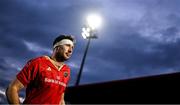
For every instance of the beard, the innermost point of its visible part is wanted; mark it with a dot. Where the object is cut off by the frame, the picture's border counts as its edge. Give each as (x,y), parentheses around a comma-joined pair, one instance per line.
(60,58)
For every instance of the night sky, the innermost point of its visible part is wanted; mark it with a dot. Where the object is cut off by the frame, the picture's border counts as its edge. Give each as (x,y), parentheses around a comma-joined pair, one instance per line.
(137,38)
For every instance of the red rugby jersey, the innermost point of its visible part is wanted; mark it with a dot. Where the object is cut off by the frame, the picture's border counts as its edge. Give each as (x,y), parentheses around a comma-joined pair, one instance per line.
(44,83)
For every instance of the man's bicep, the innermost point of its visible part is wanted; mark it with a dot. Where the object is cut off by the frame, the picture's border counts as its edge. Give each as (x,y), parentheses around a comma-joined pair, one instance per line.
(17,84)
(12,91)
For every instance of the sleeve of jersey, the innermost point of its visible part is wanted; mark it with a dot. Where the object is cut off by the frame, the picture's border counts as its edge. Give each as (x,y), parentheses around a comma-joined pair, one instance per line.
(28,73)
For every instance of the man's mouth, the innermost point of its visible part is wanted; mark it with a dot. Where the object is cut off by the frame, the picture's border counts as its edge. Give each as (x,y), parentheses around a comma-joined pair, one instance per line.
(68,55)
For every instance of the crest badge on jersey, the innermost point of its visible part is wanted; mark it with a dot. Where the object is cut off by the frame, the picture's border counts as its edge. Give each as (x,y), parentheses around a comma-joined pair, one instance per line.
(66,74)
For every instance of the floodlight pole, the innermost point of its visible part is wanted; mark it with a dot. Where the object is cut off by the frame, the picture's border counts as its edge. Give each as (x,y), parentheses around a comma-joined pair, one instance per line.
(82,63)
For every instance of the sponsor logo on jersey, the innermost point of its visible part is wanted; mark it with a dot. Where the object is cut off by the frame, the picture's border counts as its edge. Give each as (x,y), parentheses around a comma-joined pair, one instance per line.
(54,81)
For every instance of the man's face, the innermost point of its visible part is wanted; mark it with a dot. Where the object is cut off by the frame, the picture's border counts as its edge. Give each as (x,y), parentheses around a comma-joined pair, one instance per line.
(64,52)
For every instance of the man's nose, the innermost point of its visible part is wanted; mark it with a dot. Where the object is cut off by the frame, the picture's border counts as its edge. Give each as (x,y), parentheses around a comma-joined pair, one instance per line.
(70,50)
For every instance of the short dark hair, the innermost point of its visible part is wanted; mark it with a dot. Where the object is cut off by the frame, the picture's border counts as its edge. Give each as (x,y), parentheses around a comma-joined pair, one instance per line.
(63,36)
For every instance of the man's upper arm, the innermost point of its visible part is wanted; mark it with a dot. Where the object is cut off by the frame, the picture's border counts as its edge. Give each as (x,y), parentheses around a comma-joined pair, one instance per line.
(12,91)
(16,84)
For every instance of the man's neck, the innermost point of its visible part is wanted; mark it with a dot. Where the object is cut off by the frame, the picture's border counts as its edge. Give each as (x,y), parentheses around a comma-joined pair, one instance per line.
(57,64)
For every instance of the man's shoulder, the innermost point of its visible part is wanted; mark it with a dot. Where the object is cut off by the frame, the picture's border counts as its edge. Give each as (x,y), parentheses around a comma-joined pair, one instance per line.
(67,67)
(37,59)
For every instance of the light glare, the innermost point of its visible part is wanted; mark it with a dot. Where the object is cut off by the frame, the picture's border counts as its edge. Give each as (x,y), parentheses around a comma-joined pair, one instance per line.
(94,21)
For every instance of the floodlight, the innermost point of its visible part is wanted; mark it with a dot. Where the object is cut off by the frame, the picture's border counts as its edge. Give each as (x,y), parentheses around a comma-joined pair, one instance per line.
(89,31)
